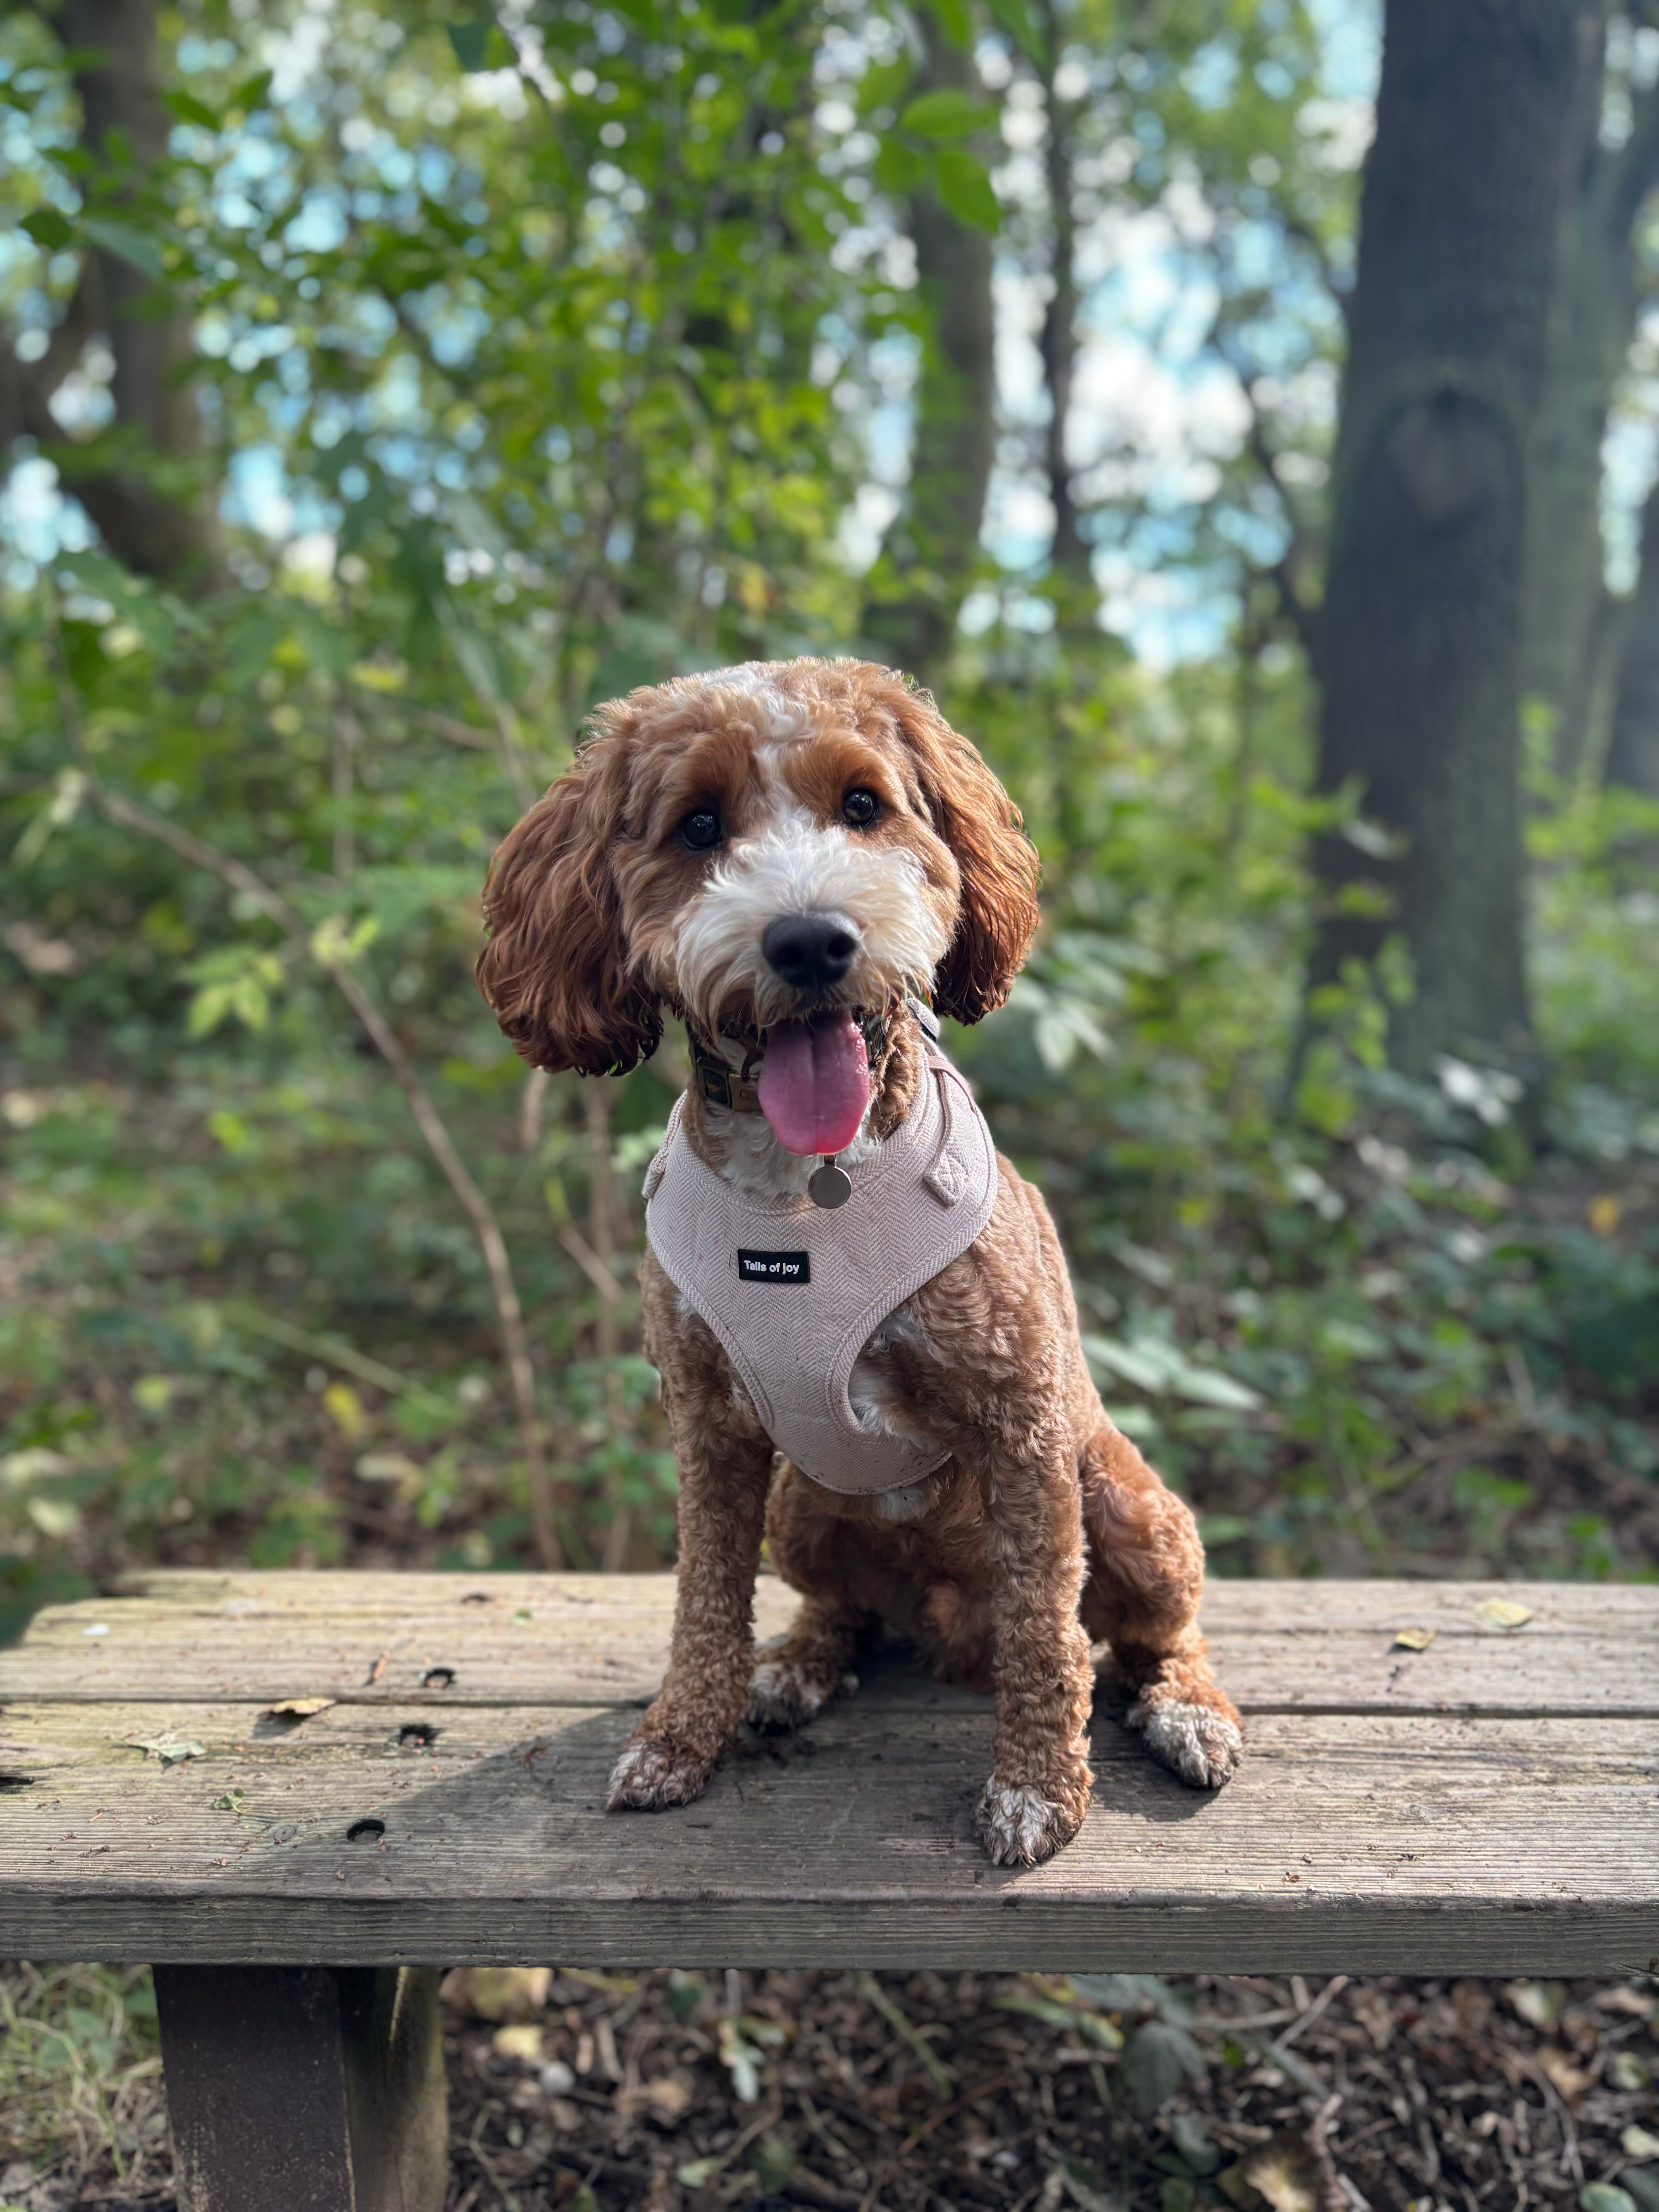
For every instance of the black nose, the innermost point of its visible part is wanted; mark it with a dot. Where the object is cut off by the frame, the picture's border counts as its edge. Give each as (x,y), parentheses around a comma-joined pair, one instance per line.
(810,951)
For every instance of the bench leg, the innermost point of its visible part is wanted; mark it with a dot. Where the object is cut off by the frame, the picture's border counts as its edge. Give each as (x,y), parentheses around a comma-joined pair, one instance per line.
(305,2088)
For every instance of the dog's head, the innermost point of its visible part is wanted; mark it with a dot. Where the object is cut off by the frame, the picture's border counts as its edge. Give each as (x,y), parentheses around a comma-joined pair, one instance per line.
(772,850)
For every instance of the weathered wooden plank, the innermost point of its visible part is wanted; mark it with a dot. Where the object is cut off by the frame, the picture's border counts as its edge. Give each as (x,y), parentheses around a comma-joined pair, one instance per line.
(603,1639)
(1364,1843)
(1279,1605)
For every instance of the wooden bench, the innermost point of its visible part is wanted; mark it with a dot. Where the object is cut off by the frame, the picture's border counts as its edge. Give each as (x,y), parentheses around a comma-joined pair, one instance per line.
(1486,1804)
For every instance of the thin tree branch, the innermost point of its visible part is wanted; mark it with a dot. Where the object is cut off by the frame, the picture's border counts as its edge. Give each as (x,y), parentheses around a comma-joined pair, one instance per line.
(1303,619)
(515,1343)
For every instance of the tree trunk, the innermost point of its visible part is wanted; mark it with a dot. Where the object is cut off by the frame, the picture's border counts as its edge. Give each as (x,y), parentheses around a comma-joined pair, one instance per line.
(1633,750)
(934,544)
(1593,321)
(124,135)
(1460,215)
(1058,340)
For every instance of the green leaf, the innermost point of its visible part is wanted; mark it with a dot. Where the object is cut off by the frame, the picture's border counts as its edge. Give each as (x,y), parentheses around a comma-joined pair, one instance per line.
(235,981)
(1605,2196)
(1192,2139)
(882,83)
(1159,2058)
(947,115)
(252,93)
(50,228)
(774,2159)
(955,20)
(1134,1993)
(896,168)
(1016,18)
(134,246)
(336,946)
(482,45)
(964,186)
(188,109)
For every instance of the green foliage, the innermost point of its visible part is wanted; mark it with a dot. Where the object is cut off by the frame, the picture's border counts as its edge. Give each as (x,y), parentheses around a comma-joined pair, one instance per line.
(81,2070)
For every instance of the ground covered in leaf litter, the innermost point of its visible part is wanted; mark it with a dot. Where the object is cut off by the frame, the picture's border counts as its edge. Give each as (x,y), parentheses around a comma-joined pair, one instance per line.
(575,2092)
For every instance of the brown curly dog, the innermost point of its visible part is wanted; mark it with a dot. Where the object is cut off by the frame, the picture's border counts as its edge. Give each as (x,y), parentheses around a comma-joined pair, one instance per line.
(790,856)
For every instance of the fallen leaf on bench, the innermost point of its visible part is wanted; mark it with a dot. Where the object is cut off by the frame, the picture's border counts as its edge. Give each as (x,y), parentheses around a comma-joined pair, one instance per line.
(230,1802)
(169,1749)
(1503,1612)
(496,1992)
(299,1709)
(1414,1639)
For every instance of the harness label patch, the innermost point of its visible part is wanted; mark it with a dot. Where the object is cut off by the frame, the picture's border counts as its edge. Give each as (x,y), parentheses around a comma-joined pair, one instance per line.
(773,1267)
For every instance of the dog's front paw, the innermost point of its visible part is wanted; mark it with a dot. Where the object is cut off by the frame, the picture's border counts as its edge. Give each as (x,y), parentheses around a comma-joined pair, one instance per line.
(1019,1826)
(783,1694)
(654,1771)
(1199,1744)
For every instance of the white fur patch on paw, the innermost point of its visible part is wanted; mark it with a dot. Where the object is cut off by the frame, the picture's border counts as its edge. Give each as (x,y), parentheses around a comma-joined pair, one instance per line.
(1195,1741)
(646,1777)
(1017,1824)
(781,1696)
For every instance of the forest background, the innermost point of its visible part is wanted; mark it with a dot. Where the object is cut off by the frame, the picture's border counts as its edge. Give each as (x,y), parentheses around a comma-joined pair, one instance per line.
(380,387)
(1242,413)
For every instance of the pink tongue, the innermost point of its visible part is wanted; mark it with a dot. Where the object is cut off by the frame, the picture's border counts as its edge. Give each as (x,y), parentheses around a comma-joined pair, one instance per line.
(815,1083)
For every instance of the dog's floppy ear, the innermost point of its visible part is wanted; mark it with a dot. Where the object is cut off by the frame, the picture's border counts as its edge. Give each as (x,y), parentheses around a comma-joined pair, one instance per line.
(974,815)
(555,970)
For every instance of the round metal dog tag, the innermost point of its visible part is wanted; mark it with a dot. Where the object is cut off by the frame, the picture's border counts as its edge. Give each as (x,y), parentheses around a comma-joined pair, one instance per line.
(830,1186)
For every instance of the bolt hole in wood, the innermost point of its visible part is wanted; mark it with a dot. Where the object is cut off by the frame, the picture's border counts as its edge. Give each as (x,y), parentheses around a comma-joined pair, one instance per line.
(438,1678)
(417,1735)
(366,1831)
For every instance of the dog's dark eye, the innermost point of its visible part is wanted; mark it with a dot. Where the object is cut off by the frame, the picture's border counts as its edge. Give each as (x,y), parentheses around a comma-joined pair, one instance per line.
(701,830)
(861,808)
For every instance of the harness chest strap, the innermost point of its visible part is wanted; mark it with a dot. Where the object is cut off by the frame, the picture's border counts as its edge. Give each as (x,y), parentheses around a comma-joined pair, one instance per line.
(793,1293)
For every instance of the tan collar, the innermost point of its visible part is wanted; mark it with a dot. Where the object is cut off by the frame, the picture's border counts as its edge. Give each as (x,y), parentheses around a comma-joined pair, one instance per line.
(724,1086)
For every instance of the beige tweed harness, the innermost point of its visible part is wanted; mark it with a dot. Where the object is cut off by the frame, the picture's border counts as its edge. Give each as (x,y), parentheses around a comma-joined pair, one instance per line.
(793,1292)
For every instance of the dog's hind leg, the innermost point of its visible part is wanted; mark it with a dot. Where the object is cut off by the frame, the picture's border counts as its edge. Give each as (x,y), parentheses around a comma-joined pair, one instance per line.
(818,1553)
(819,1659)
(1144,1583)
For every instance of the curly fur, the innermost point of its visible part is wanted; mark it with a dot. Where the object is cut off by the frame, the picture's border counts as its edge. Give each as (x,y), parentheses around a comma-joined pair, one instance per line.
(1045,1527)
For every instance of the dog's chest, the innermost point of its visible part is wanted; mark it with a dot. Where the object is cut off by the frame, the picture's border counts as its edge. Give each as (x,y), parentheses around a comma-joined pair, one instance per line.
(808,1303)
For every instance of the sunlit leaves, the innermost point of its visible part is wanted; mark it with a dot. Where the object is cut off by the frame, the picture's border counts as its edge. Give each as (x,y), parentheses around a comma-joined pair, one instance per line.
(236,983)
